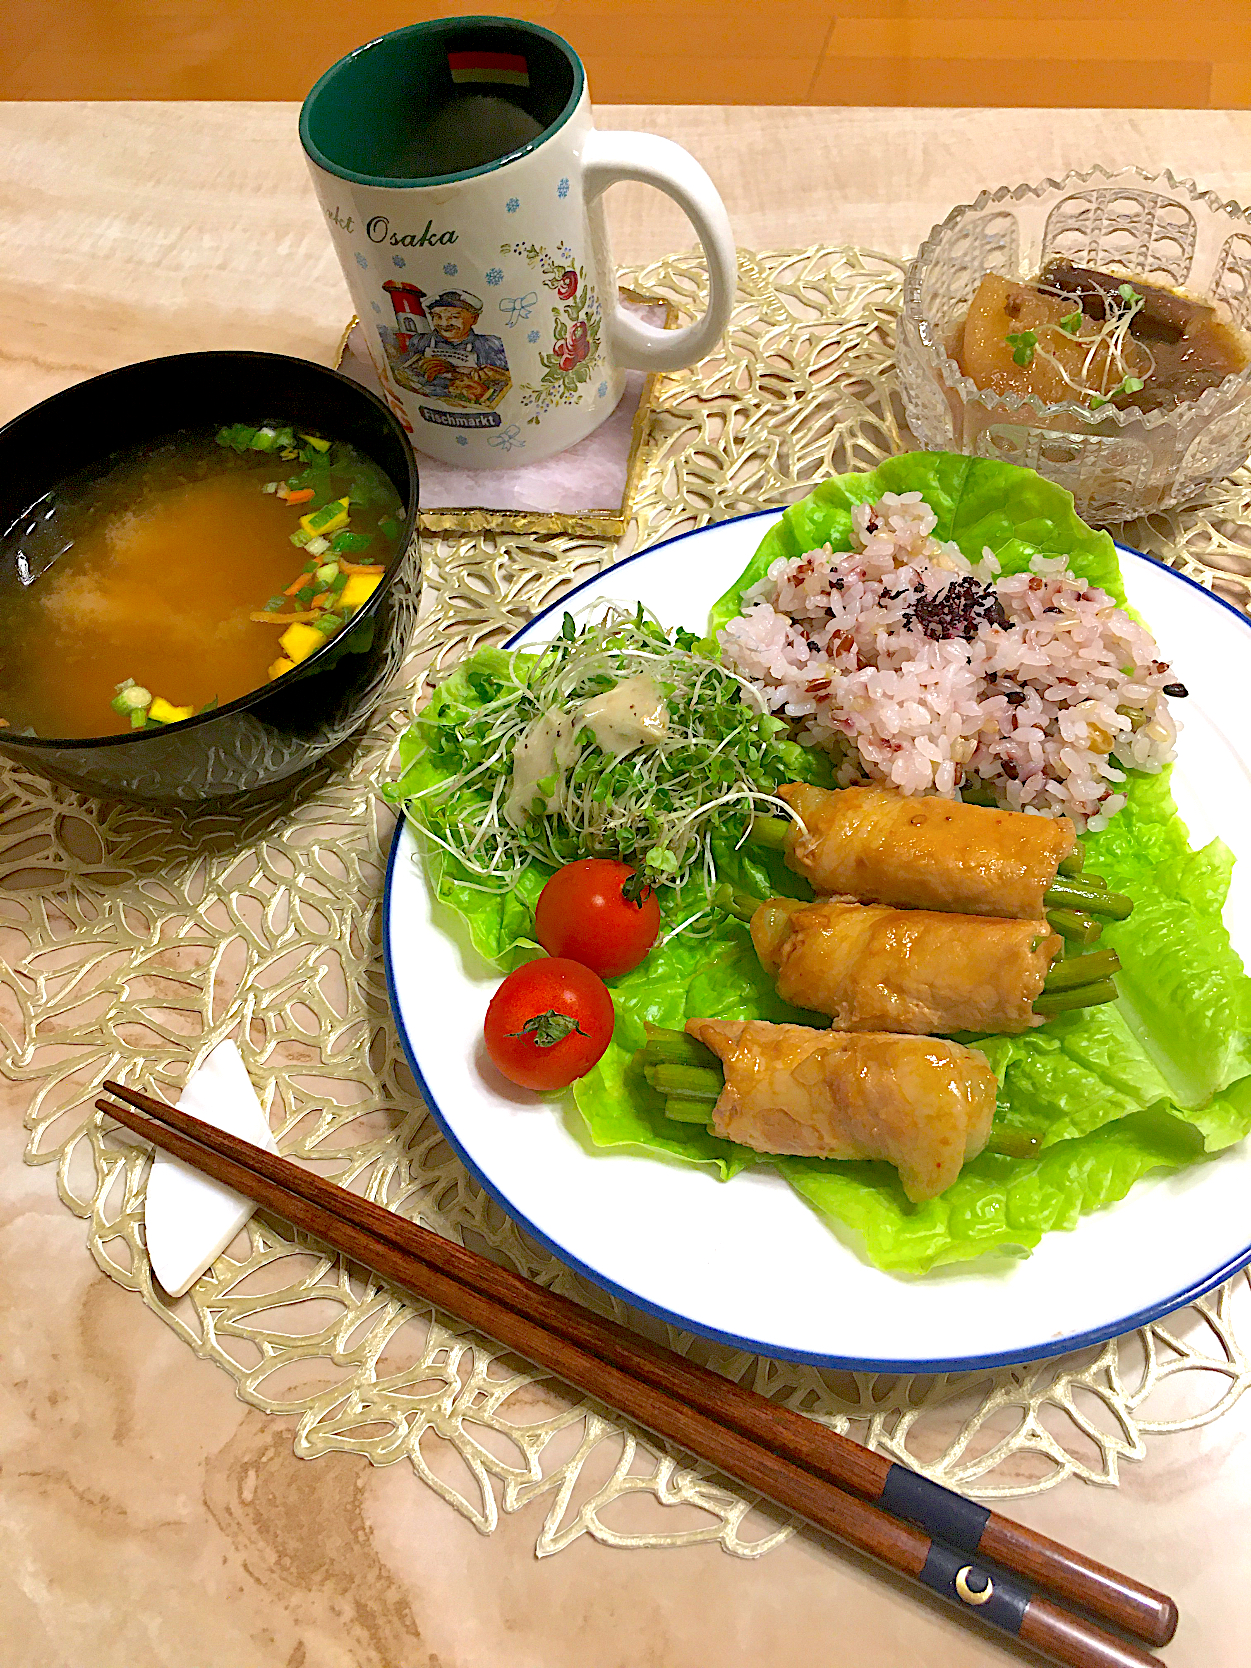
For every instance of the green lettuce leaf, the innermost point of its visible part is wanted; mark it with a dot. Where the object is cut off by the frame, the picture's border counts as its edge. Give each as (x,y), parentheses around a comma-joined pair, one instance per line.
(501,924)
(978,501)
(996,1204)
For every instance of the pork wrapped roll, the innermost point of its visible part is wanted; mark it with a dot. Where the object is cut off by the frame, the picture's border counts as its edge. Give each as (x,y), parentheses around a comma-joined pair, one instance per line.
(871,968)
(882,847)
(924,1105)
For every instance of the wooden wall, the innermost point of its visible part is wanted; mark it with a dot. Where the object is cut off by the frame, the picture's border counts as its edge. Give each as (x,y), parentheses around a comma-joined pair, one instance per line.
(1126,53)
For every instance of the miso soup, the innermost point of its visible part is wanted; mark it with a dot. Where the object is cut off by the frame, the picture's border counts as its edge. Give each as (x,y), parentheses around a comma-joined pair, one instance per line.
(180,576)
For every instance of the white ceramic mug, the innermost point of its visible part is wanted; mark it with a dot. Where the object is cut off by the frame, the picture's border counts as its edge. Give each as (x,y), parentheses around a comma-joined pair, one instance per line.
(462,181)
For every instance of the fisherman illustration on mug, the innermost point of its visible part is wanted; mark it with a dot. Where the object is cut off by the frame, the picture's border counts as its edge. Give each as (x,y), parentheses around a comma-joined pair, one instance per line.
(449,359)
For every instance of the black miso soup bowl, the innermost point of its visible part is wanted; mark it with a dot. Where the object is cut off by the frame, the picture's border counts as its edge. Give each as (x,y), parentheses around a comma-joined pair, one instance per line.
(279,730)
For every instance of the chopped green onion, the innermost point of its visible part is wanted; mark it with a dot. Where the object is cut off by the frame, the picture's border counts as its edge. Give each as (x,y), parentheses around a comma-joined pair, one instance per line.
(346,543)
(305,595)
(328,622)
(238,436)
(324,515)
(317,546)
(275,605)
(327,573)
(130,698)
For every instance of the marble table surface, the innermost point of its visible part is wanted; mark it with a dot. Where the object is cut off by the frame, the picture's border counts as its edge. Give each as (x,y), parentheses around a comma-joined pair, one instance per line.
(147,1517)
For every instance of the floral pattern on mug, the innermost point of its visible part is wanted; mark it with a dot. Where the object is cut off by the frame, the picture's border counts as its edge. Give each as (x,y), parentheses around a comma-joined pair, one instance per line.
(576,324)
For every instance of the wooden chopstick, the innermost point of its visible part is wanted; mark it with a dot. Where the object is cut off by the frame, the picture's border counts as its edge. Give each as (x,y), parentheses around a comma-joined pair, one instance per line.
(801,1465)
(1139,1610)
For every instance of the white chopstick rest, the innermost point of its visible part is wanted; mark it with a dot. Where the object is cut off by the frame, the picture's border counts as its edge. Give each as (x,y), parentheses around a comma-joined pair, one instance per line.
(189,1219)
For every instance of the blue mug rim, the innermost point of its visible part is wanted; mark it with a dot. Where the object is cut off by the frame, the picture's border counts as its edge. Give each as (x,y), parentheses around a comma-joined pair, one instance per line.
(437,26)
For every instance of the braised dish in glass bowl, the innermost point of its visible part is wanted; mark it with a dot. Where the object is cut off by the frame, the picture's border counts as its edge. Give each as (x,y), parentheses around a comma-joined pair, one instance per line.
(1093,328)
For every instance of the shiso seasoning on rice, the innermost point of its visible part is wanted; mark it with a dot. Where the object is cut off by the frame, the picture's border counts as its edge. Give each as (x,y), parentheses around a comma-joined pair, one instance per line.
(915,667)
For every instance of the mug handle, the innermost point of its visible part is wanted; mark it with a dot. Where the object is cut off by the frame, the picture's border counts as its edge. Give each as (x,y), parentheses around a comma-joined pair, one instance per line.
(610,156)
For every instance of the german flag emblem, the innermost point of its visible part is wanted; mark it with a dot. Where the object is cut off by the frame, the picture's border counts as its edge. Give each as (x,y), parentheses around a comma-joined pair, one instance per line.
(502,68)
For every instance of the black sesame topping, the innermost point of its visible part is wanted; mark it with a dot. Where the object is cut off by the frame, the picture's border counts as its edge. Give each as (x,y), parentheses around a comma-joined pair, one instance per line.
(959,609)
(1176,690)
(839,583)
(1016,697)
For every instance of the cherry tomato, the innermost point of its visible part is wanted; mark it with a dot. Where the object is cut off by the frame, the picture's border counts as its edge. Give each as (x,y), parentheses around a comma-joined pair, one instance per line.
(548,1023)
(598,912)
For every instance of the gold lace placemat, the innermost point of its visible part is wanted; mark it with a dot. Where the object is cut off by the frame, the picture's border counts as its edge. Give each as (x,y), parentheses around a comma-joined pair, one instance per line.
(129,937)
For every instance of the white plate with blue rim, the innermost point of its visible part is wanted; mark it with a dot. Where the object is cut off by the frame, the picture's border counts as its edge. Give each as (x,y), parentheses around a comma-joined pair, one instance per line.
(746,1261)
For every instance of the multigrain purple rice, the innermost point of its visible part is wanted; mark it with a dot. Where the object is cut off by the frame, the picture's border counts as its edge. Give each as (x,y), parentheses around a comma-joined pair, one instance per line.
(915,667)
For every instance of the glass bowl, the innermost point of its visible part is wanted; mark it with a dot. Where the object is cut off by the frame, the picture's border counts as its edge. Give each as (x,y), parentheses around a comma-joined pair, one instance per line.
(1117,464)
